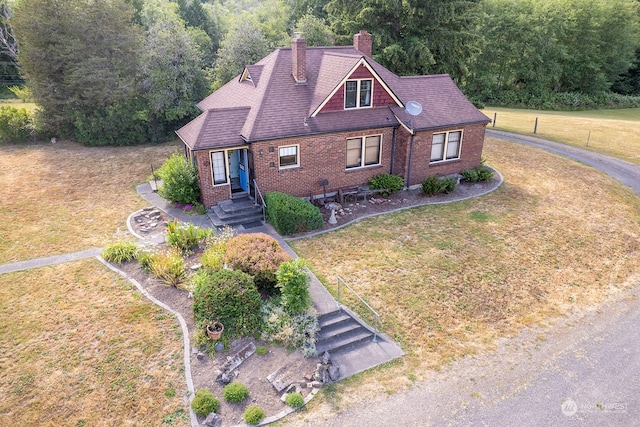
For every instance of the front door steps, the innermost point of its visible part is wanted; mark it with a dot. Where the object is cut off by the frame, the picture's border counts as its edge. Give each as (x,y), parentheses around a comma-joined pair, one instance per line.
(234,212)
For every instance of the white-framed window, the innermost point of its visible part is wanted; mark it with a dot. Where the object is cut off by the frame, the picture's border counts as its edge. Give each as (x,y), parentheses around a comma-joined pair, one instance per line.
(219,167)
(446,146)
(288,156)
(357,93)
(364,151)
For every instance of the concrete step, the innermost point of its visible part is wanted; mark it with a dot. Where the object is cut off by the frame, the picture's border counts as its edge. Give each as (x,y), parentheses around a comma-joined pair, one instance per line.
(232,207)
(345,342)
(219,218)
(237,211)
(340,332)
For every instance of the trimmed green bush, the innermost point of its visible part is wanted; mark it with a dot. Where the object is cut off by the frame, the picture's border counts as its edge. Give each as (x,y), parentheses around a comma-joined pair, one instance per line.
(235,392)
(204,403)
(386,181)
(120,252)
(179,180)
(229,297)
(448,184)
(477,174)
(253,415)
(293,282)
(257,254)
(289,214)
(295,400)
(431,185)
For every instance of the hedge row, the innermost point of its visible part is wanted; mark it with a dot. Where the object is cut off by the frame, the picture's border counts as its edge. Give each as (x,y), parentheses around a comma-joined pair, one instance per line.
(289,214)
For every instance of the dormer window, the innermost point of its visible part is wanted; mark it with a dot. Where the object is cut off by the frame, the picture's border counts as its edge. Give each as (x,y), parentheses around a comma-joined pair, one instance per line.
(357,93)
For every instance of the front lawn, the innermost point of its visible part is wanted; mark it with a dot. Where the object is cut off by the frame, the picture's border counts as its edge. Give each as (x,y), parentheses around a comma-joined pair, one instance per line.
(64,197)
(80,347)
(449,279)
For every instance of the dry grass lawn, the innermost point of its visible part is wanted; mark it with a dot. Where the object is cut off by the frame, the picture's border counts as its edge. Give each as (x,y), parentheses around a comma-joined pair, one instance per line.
(80,347)
(64,197)
(556,237)
(615,133)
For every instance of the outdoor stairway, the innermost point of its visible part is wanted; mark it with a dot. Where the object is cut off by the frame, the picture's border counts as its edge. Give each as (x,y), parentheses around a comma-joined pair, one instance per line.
(235,212)
(340,332)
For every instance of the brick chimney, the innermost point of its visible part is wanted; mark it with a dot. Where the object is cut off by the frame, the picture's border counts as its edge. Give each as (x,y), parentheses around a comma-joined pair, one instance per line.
(299,58)
(363,41)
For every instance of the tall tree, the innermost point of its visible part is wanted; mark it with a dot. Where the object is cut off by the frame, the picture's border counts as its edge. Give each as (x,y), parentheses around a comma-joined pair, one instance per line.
(243,45)
(411,36)
(77,55)
(315,31)
(173,79)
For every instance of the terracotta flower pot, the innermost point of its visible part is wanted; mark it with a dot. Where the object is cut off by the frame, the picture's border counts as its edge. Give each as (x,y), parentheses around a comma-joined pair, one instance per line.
(214,331)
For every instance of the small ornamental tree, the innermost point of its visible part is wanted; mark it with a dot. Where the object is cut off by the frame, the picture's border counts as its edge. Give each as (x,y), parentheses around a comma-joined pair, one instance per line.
(293,282)
(229,297)
(179,180)
(256,254)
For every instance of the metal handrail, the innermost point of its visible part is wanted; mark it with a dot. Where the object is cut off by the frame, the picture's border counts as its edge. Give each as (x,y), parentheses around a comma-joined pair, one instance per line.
(375,314)
(264,204)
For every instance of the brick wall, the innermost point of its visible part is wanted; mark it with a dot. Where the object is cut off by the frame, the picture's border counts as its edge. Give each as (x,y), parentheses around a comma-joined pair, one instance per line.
(209,194)
(324,157)
(321,157)
(470,156)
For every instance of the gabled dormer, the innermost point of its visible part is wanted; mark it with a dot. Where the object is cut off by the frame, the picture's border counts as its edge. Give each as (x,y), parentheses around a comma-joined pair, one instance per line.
(360,88)
(251,73)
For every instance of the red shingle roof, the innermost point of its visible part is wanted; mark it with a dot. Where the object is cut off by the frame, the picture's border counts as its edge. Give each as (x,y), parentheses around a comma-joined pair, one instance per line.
(271,105)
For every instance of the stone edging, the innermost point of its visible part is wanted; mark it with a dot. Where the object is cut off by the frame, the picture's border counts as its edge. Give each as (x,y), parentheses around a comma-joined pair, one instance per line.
(283,413)
(187,352)
(317,233)
(130,228)
(185,335)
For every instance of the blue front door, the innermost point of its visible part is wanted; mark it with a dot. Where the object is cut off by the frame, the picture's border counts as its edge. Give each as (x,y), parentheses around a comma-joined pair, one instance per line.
(242,165)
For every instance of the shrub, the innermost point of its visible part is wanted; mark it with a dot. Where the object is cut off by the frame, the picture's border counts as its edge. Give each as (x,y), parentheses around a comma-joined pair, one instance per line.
(22,92)
(204,403)
(120,252)
(386,181)
(293,282)
(256,254)
(185,236)
(448,184)
(212,259)
(431,185)
(477,174)
(168,266)
(295,400)
(292,331)
(289,214)
(235,392)
(253,414)
(261,350)
(229,297)
(16,125)
(179,180)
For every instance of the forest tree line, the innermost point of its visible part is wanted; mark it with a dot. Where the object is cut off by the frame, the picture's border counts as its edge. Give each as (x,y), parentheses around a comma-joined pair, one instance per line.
(128,71)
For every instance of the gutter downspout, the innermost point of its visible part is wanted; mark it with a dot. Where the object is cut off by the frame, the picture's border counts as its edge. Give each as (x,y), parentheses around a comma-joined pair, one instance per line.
(410,158)
(393,149)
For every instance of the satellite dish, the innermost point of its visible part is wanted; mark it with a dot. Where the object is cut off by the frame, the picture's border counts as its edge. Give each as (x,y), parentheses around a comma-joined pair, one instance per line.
(413,107)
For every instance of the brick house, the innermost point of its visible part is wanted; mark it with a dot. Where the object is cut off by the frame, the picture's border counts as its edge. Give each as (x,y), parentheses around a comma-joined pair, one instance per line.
(303,114)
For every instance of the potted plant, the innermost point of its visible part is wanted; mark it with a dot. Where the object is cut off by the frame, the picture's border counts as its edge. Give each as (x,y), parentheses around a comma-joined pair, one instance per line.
(214,330)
